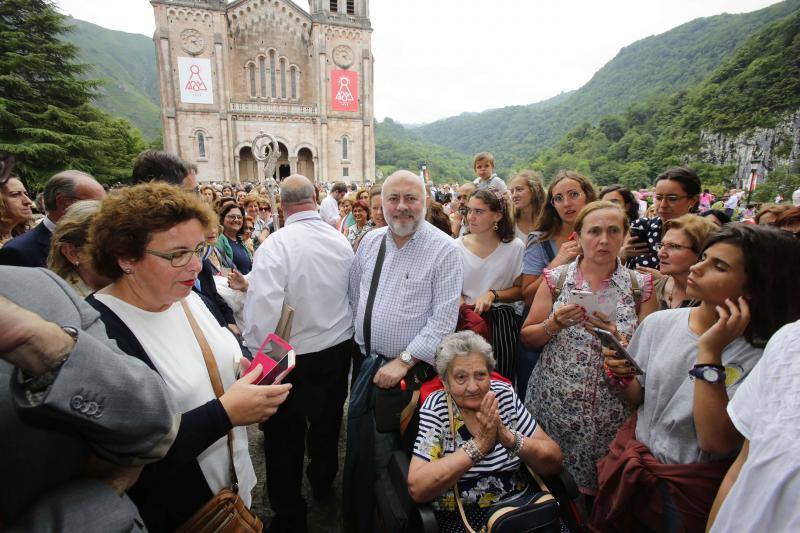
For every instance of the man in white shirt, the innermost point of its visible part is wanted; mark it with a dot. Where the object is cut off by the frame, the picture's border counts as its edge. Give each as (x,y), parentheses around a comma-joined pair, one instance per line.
(731,204)
(762,488)
(413,307)
(329,208)
(796,197)
(305,265)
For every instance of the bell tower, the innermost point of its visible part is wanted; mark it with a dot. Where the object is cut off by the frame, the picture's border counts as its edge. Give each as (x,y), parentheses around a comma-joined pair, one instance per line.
(345,12)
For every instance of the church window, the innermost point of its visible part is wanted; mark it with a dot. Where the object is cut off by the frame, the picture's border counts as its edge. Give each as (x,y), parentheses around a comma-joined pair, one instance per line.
(351,7)
(345,172)
(252,71)
(272,73)
(293,78)
(344,148)
(334,6)
(262,72)
(201,145)
(283,78)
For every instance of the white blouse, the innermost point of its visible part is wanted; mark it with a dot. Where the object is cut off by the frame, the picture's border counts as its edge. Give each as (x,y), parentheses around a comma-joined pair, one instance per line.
(496,271)
(169,342)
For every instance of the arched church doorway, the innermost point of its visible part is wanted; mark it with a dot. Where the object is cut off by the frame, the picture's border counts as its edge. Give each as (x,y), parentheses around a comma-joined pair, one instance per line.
(305,163)
(283,170)
(247,165)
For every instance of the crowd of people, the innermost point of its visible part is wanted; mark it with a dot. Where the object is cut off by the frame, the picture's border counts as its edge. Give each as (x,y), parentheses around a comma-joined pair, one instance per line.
(642,344)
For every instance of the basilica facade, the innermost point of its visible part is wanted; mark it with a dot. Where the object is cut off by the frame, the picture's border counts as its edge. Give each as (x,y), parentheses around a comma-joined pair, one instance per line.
(230,70)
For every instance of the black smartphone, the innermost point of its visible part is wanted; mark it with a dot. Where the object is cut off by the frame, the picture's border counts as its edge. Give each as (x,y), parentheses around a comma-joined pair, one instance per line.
(608,340)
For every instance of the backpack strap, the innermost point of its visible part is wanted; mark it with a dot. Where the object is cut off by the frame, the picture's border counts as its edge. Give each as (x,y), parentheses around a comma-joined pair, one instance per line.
(636,289)
(560,284)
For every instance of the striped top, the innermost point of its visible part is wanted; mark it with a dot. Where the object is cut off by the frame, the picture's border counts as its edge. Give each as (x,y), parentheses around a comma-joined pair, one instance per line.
(434,439)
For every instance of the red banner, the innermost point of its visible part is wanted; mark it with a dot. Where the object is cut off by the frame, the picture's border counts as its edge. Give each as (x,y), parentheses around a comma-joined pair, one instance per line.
(344,90)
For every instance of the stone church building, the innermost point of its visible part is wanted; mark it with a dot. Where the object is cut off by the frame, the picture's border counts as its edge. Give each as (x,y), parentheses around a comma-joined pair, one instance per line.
(228,70)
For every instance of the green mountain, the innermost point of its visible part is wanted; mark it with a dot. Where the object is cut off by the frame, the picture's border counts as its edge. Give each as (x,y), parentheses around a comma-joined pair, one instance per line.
(126,63)
(753,88)
(657,65)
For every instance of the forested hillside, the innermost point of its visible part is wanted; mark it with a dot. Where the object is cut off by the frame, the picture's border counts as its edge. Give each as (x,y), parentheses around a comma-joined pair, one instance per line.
(126,63)
(657,65)
(753,88)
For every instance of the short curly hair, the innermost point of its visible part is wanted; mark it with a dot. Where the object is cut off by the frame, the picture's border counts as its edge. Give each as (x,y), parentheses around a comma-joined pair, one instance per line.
(129,217)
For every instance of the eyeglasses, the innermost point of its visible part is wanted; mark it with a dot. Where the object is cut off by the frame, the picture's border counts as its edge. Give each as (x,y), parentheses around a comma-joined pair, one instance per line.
(572,195)
(233,217)
(248,229)
(670,247)
(181,257)
(669,198)
(267,209)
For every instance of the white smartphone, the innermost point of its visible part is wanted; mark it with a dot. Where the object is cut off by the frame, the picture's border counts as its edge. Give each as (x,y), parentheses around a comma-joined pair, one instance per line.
(591,302)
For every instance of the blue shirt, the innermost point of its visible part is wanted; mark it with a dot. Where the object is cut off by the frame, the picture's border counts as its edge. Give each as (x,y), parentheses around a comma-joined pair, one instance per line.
(535,259)
(241,259)
(418,296)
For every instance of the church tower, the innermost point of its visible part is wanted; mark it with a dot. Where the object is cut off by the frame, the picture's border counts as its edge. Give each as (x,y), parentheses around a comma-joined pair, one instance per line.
(230,69)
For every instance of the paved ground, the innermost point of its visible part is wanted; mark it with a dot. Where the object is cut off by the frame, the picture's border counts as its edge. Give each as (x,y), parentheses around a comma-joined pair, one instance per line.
(322,517)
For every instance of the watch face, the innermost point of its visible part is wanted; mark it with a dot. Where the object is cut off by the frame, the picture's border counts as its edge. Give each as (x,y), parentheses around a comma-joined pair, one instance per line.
(710,374)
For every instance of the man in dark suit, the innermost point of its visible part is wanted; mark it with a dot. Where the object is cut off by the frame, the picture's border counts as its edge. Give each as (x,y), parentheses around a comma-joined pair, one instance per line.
(79,417)
(62,190)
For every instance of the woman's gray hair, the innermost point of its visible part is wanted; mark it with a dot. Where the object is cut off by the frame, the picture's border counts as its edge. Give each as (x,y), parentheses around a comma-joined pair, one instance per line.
(462,343)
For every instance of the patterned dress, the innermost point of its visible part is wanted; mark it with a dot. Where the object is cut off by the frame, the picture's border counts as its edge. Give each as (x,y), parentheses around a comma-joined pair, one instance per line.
(569,393)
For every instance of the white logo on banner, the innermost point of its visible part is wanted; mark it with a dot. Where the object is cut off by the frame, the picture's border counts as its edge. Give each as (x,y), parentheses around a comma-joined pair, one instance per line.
(195,80)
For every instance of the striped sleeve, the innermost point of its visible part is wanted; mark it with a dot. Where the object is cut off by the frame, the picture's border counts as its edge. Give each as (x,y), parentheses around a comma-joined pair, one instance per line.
(512,411)
(433,422)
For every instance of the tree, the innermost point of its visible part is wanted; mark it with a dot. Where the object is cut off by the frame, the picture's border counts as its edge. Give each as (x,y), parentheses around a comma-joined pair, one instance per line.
(46,114)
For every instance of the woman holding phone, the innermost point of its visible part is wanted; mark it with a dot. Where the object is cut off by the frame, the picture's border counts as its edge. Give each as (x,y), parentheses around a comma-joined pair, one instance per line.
(149,241)
(677,193)
(694,360)
(568,392)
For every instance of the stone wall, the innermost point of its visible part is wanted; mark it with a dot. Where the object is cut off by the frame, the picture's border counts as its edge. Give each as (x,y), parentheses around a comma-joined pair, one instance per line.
(762,149)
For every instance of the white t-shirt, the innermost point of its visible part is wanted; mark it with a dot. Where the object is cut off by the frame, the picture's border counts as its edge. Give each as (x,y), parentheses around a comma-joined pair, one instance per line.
(666,349)
(497,271)
(494,182)
(169,342)
(329,210)
(732,202)
(766,410)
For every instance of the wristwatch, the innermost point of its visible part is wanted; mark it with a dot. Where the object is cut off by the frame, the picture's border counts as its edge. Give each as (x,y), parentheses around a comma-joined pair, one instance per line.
(43,381)
(709,373)
(405,357)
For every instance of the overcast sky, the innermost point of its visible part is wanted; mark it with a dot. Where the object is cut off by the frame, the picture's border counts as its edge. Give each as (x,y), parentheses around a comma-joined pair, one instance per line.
(437,58)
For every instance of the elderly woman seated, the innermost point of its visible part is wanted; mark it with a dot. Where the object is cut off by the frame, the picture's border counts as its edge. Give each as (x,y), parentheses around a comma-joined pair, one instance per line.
(494,435)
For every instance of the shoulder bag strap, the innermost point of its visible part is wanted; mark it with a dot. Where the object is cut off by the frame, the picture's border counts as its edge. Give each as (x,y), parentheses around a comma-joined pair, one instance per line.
(373,289)
(636,290)
(548,250)
(216,381)
(560,284)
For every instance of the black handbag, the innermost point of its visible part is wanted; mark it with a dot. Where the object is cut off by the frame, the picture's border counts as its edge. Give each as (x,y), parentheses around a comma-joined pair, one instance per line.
(533,511)
(395,405)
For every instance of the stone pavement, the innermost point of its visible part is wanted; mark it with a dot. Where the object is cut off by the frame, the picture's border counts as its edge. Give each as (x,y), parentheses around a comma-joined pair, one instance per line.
(323,517)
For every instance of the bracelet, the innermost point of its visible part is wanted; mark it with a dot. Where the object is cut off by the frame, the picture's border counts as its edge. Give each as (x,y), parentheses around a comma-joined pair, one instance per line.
(473,452)
(518,441)
(547,330)
(496,297)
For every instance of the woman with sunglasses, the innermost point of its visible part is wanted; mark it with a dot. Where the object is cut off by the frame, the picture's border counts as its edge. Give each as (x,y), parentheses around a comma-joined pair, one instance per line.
(149,241)
(677,193)
(230,241)
(664,467)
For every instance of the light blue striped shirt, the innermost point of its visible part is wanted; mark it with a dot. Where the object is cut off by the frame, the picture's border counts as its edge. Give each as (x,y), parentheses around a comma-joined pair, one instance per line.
(418,296)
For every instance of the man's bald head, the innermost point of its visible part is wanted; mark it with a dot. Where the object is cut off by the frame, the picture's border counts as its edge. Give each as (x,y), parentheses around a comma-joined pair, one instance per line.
(404,176)
(297,194)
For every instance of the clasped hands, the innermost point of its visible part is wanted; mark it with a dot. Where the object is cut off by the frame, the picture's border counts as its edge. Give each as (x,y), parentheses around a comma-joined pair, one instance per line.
(490,426)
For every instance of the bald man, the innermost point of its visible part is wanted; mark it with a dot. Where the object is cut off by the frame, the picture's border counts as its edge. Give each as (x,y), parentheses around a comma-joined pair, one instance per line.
(399,323)
(306,266)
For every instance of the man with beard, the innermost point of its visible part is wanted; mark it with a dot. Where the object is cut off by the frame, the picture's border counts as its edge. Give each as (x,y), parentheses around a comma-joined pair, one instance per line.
(405,286)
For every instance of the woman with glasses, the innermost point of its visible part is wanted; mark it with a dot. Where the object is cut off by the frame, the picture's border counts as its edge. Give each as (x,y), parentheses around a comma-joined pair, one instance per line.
(680,247)
(149,241)
(230,241)
(568,392)
(261,227)
(677,193)
(16,211)
(553,243)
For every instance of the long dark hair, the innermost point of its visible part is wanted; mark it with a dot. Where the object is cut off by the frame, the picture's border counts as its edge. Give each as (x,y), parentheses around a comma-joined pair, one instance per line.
(770,257)
(631,206)
(497,204)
